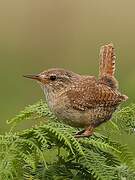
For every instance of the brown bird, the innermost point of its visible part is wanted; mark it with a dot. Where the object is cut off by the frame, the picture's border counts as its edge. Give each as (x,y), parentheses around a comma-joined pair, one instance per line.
(81,100)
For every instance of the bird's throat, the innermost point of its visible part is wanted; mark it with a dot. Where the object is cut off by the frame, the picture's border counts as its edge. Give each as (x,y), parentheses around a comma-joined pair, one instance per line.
(50,97)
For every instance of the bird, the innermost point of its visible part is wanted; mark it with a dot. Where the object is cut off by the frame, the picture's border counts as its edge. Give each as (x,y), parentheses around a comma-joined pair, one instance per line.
(83,101)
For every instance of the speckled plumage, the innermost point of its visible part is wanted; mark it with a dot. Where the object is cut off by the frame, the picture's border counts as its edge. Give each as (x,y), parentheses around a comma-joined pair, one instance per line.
(83,101)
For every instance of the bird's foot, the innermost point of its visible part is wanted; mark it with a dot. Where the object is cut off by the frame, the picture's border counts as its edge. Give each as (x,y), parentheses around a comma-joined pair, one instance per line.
(80,132)
(85,133)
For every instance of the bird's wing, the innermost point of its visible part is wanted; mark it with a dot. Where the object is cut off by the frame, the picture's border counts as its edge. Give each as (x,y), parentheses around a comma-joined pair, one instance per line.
(107,66)
(88,93)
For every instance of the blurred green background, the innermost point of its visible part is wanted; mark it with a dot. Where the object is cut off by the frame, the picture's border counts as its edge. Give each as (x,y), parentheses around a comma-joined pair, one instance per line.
(36,35)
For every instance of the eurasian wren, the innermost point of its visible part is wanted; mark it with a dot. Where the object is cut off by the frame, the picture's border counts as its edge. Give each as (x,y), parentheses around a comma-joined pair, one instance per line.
(81,100)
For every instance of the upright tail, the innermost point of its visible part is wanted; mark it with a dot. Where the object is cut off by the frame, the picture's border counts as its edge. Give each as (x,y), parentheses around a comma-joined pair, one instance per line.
(107,60)
(107,66)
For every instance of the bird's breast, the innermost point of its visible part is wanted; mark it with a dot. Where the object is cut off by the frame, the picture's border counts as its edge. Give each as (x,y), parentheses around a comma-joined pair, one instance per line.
(59,104)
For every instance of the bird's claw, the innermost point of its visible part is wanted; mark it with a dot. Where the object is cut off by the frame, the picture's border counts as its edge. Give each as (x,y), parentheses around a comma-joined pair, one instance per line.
(84,133)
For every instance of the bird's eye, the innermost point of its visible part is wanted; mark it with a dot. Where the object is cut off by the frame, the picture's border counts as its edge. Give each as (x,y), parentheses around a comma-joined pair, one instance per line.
(52,77)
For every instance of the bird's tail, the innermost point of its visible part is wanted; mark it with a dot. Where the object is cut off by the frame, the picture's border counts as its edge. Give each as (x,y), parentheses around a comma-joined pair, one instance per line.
(107,66)
(123,97)
(107,60)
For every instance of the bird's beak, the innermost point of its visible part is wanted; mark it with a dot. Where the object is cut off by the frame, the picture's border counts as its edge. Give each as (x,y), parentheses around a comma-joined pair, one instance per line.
(36,77)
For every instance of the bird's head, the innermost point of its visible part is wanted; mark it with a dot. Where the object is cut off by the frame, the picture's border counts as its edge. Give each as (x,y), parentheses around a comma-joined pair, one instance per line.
(54,79)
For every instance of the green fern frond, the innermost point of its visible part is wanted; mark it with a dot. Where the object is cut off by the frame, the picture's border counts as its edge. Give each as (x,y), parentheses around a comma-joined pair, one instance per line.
(125,119)
(93,163)
(24,154)
(124,173)
(120,151)
(36,111)
(99,145)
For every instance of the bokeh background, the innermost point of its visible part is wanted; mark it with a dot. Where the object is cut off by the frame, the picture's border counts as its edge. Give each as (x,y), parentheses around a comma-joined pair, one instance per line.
(36,35)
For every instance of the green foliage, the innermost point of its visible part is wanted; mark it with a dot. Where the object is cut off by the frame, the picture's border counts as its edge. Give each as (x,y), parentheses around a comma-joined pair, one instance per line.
(125,119)
(50,151)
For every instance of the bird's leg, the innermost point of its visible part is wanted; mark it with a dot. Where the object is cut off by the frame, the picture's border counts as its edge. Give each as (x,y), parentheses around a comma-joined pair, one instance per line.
(85,133)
